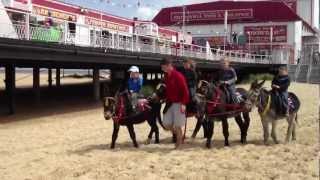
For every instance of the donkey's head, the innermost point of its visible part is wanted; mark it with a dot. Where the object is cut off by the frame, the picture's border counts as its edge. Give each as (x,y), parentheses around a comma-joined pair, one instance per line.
(109,107)
(203,87)
(160,92)
(254,93)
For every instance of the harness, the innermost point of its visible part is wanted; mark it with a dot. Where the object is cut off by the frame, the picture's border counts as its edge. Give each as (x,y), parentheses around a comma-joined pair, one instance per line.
(120,114)
(216,100)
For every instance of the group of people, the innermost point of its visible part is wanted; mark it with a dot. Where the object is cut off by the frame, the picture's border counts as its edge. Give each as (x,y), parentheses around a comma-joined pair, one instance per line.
(181,91)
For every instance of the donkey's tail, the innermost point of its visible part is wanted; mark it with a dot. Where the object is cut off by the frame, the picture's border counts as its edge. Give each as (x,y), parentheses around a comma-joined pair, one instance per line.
(296,119)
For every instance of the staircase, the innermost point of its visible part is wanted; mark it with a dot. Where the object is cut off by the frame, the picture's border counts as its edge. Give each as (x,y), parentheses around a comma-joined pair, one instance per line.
(305,73)
(302,73)
(314,74)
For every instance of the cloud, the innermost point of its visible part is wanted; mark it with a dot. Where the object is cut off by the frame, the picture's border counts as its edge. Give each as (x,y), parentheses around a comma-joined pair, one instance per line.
(146,13)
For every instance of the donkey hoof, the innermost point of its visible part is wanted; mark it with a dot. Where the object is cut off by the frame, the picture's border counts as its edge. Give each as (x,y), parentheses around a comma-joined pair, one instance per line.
(148,141)
(208,145)
(226,144)
(112,146)
(136,145)
(157,141)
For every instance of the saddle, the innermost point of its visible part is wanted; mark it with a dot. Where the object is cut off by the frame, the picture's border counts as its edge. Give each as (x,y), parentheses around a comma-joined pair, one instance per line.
(293,103)
(236,98)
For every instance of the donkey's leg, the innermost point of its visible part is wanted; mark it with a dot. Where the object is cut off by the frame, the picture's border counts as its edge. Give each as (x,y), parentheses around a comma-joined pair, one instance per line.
(246,124)
(197,128)
(291,122)
(274,131)
(156,129)
(116,128)
(210,128)
(225,128)
(294,135)
(205,128)
(265,126)
(132,135)
(151,124)
(241,126)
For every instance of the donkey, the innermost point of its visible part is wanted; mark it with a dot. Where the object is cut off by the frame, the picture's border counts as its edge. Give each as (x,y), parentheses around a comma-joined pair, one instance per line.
(116,108)
(263,99)
(217,108)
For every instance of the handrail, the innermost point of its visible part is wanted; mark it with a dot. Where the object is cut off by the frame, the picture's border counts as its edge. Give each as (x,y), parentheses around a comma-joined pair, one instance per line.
(134,43)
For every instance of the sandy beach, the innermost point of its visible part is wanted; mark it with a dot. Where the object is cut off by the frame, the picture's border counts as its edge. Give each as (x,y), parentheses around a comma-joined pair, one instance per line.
(72,142)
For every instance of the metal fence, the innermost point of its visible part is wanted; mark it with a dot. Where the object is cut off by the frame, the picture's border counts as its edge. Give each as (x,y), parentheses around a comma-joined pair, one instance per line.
(132,42)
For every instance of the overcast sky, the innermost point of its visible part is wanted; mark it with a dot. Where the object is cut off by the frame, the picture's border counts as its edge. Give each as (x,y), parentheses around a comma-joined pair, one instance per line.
(143,9)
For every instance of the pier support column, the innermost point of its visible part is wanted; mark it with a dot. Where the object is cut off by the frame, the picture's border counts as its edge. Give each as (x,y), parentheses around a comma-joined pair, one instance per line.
(10,83)
(36,83)
(96,84)
(58,77)
(49,77)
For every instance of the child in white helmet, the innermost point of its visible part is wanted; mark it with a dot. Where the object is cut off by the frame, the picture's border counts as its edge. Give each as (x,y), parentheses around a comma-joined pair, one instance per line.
(135,83)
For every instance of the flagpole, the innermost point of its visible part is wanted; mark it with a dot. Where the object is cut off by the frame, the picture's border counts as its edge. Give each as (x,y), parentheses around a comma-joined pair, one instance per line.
(271,39)
(225,29)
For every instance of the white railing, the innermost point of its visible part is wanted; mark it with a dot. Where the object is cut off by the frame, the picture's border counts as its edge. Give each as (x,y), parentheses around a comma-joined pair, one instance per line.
(132,42)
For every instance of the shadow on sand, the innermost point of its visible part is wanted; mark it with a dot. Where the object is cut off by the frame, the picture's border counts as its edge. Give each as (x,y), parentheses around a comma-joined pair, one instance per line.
(53,101)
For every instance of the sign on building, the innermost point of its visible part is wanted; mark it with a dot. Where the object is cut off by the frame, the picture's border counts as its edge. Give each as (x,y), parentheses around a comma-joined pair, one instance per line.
(212,15)
(262,34)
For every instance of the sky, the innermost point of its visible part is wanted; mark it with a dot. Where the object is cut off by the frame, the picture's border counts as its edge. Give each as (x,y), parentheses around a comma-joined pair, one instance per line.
(143,9)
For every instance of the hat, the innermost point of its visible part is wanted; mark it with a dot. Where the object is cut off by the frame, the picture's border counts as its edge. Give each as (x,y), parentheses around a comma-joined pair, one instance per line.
(134,69)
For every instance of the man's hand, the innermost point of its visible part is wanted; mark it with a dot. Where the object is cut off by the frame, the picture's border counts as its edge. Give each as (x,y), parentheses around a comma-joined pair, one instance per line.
(275,86)
(183,108)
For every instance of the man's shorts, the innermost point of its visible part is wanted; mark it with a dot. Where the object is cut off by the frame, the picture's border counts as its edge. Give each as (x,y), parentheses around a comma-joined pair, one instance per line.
(174,117)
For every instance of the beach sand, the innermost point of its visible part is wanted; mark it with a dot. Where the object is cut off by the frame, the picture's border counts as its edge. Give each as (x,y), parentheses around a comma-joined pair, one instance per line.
(72,142)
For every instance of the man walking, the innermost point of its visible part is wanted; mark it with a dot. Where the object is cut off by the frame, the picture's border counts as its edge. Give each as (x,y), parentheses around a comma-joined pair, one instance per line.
(177,97)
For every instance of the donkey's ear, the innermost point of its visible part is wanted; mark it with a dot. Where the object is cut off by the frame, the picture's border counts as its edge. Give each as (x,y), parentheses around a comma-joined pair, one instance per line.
(261,83)
(254,83)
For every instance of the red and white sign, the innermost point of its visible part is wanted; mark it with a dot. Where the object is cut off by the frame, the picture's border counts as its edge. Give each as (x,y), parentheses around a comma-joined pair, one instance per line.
(262,34)
(212,15)
(107,25)
(53,13)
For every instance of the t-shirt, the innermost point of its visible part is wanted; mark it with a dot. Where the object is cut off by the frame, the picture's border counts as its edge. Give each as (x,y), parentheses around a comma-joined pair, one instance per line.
(135,84)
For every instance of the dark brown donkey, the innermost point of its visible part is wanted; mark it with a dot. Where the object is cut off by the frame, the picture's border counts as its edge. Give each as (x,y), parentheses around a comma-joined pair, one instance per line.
(218,108)
(117,108)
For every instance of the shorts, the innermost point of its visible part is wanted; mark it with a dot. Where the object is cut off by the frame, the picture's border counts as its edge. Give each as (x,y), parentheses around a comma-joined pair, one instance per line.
(174,117)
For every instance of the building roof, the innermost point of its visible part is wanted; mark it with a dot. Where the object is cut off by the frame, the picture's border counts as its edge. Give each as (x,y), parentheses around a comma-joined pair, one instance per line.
(238,12)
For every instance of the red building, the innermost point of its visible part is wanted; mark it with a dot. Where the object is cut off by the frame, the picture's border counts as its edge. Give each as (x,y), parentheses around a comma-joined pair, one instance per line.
(263,27)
